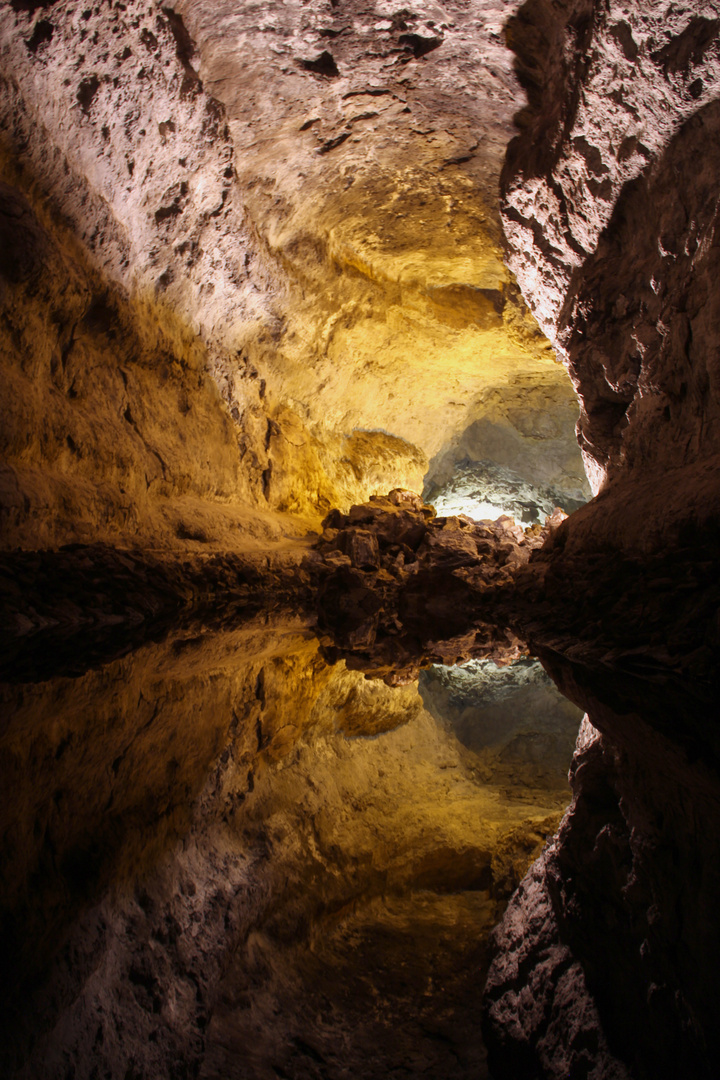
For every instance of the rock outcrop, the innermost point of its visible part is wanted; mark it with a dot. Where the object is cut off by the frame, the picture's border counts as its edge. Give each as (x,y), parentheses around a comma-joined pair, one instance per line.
(610,204)
(609,208)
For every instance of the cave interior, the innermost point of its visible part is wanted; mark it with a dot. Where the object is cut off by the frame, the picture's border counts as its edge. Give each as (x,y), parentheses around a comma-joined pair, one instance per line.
(360,534)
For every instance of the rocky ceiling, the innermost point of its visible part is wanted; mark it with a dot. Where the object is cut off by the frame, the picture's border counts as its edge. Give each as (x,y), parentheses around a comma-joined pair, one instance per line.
(271,234)
(252,269)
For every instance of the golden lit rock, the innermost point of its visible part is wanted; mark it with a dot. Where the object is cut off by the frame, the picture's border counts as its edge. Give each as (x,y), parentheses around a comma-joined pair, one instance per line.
(324,247)
(256,821)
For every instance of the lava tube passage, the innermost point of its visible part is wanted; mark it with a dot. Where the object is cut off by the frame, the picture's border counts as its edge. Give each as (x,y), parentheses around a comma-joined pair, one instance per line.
(344,732)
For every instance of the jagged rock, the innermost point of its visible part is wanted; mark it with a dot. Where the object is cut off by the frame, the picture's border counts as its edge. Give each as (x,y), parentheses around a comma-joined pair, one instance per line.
(604,207)
(363,549)
(416,589)
(609,192)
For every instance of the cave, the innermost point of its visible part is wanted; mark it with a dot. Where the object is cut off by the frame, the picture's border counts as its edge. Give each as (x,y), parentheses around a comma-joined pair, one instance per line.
(360,534)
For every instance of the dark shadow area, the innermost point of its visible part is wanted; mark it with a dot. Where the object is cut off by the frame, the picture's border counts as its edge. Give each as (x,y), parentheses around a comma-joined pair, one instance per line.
(65,612)
(222,701)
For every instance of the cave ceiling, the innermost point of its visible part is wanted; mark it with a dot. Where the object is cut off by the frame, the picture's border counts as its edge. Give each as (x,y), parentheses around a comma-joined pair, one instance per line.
(260,264)
(300,200)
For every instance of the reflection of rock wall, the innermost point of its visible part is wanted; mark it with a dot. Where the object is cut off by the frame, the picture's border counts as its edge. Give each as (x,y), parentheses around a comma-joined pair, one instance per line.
(614,926)
(513,718)
(215,846)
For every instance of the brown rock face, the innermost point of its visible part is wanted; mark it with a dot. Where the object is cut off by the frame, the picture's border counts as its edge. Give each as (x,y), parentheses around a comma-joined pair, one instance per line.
(608,207)
(251,269)
(609,204)
(611,937)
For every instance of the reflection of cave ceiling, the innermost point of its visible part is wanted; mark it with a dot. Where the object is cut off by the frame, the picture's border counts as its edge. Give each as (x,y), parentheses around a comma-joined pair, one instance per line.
(221,831)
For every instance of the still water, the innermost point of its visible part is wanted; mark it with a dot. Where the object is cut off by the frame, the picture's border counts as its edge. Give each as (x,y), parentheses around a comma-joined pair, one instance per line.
(224,858)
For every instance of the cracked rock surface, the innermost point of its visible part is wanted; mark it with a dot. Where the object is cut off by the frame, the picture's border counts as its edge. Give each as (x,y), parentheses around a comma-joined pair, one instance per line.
(610,207)
(298,203)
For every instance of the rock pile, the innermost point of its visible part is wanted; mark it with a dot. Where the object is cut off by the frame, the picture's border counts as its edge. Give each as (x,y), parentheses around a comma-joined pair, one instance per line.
(403,588)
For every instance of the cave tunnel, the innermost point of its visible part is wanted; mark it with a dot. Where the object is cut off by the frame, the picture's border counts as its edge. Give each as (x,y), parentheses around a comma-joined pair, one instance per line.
(360,523)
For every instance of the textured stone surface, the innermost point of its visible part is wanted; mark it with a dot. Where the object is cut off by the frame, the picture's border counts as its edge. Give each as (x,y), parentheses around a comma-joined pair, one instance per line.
(539,1018)
(615,162)
(110,426)
(622,898)
(528,433)
(326,246)
(609,204)
(223,857)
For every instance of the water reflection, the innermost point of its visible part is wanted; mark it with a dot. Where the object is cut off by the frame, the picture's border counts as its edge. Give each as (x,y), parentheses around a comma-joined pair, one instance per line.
(513,718)
(224,857)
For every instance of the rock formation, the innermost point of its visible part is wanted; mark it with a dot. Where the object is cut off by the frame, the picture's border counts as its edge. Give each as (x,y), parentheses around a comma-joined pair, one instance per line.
(609,209)
(312,242)
(253,277)
(406,588)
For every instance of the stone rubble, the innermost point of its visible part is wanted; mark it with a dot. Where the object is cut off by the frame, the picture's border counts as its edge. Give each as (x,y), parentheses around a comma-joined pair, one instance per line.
(402,588)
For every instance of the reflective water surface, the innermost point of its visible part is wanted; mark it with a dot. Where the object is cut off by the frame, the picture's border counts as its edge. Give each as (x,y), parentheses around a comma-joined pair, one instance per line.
(224,858)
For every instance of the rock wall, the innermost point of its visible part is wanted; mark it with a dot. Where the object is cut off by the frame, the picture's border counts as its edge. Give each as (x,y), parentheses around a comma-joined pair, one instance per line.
(607,958)
(319,235)
(250,265)
(111,427)
(609,206)
(520,456)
